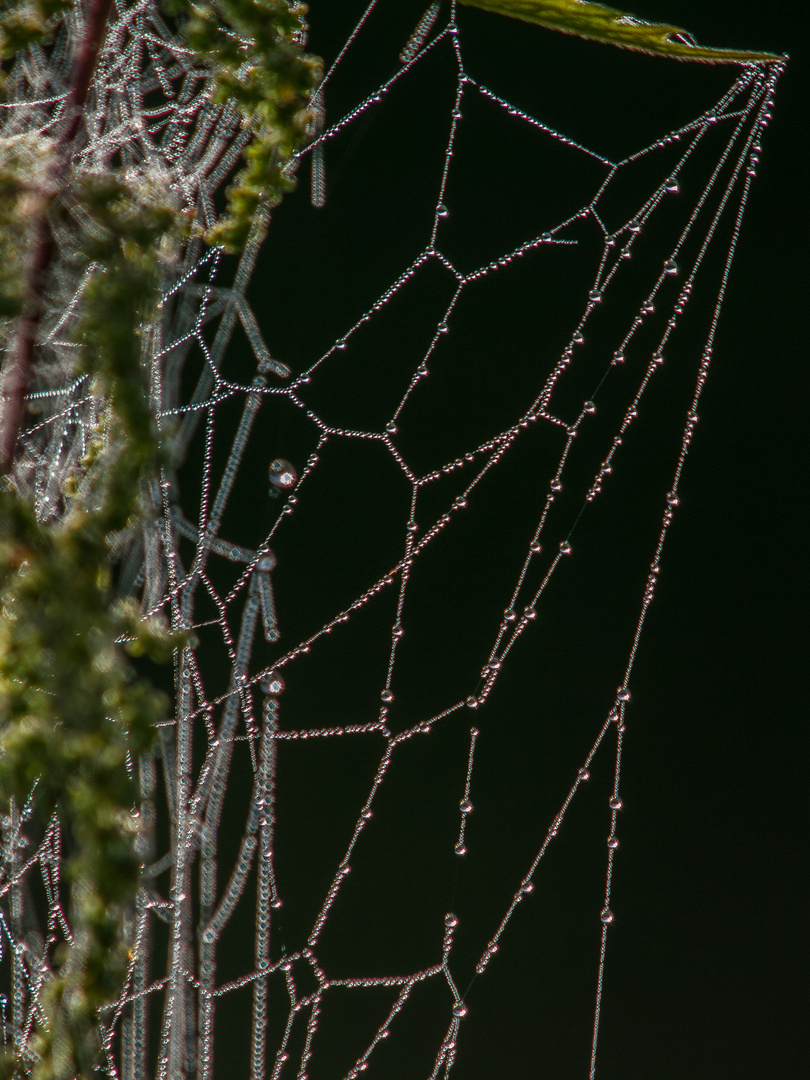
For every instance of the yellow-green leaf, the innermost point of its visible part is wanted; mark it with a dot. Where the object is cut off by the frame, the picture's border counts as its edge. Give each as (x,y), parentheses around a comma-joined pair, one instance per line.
(602,23)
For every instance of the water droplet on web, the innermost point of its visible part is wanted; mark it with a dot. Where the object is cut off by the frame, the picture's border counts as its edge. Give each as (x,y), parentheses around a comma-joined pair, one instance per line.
(672,185)
(595,295)
(277,903)
(460,1010)
(535,548)
(460,502)
(615,803)
(584,774)
(623,695)
(633,226)
(565,548)
(670,267)
(282,474)
(556,485)
(606,916)
(527,888)
(397,631)
(441,210)
(466,807)
(450,920)
(472,702)
(613,842)
(460,849)
(672,499)
(578,338)
(510,615)
(618,358)
(272,686)
(589,407)
(387,696)
(367,814)
(647,307)
(391,427)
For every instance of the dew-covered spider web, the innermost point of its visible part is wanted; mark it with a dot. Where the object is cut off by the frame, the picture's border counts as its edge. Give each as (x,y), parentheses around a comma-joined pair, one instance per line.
(429,444)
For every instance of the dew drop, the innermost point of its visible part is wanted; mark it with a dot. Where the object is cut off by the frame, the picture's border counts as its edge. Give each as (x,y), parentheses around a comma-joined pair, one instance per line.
(672,499)
(535,548)
(623,695)
(565,548)
(387,696)
(450,920)
(272,686)
(633,226)
(556,485)
(578,338)
(647,307)
(459,1010)
(670,267)
(391,427)
(397,631)
(460,502)
(595,295)
(584,774)
(510,615)
(615,803)
(460,849)
(527,888)
(589,407)
(466,807)
(276,904)
(606,916)
(282,474)
(367,814)
(529,612)
(441,210)
(473,702)
(672,185)
(613,842)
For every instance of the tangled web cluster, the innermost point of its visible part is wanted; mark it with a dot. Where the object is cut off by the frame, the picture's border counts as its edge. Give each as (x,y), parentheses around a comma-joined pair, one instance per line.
(264,847)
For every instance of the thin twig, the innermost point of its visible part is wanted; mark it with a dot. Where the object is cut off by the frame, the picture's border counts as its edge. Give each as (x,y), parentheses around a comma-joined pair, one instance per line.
(18,373)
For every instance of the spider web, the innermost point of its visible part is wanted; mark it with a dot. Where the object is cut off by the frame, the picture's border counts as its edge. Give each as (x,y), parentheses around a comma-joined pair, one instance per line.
(368,535)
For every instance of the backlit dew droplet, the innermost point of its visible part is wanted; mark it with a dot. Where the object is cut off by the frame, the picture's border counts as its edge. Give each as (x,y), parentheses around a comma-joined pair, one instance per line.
(397,631)
(466,807)
(672,185)
(535,548)
(510,615)
(472,702)
(367,814)
(387,696)
(633,226)
(584,774)
(441,210)
(595,296)
(613,842)
(276,904)
(672,499)
(647,307)
(527,888)
(282,474)
(670,267)
(565,548)
(556,485)
(460,502)
(606,916)
(272,686)
(578,338)
(618,358)
(459,1010)
(460,849)
(450,920)
(589,407)
(391,427)
(615,803)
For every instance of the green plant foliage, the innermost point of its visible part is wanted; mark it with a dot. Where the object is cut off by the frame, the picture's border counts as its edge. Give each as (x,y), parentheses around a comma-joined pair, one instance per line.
(254,49)
(602,23)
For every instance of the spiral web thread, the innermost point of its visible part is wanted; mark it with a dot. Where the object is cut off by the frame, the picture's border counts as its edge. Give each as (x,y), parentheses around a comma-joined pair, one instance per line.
(151,112)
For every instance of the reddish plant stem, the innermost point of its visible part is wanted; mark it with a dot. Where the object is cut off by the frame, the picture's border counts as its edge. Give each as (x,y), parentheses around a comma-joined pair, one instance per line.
(18,373)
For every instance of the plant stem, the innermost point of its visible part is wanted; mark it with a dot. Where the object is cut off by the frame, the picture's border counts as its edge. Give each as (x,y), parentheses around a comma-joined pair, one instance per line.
(18,372)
